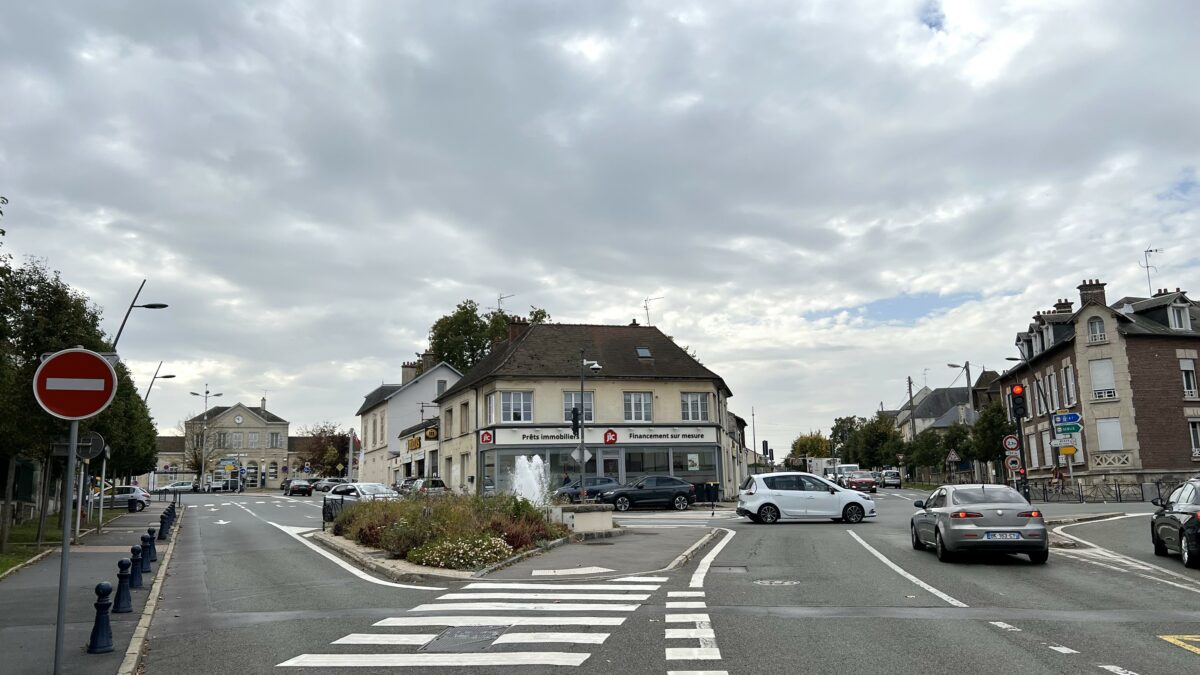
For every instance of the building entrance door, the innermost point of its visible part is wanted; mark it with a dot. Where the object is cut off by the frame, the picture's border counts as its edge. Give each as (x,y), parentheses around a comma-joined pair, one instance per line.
(610,461)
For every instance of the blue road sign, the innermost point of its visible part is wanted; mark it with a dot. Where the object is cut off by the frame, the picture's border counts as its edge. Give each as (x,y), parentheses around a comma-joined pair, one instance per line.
(1068,418)
(242,471)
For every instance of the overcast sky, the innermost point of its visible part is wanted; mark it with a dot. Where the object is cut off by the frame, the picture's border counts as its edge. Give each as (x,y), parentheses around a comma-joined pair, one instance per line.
(829,196)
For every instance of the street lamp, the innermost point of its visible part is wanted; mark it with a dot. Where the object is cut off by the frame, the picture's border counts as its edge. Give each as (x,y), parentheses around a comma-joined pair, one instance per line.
(156,377)
(204,431)
(132,304)
(584,366)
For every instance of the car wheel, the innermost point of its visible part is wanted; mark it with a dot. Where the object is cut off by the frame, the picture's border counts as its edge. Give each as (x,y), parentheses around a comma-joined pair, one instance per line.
(853,513)
(680,503)
(1190,558)
(916,541)
(873,490)
(622,503)
(1039,557)
(1160,549)
(768,514)
(943,554)
(141,506)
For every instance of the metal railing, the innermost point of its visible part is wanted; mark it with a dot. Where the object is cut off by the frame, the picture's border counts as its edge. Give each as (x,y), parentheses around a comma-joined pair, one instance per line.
(330,509)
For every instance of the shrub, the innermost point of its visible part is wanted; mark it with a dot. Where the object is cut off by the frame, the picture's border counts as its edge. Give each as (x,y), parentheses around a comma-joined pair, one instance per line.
(402,536)
(462,553)
(369,519)
(524,533)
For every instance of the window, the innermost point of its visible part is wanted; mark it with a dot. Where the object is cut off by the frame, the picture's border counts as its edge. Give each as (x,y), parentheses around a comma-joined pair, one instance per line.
(516,406)
(252,439)
(1096,330)
(273,470)
(571,400)
(1188,368)
(489,402)
(374,431)
(382,428)
(463,414)
(1052,384)
(1109,431)
(1038,388)
(1189,494)
(1032,447)
(197,440)
(237,440)
(695,407)
(274,439)
(1103,385)
(441,387)
(643,352)
(1194,428)
(1069,384)
(222,439)
(448,422)
(1047,449)
(810,484)
(1180,320)
(638,407)
(783,483)
(1037,343)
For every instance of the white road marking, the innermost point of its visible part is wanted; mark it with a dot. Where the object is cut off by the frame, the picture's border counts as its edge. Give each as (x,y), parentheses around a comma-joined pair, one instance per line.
(706,562)
(221,522)
(1118,670)
(523,606)
(685,594)
(686,605)
(647,580)
(214,509)
(191,506)
(1005,626)
(693,654)
(433,660)
(207,505)
(517,585)
(225,504)
(260,502)
(74,384)
(576,638)
(457,621)
(898,570)
(1118,557)
(568,572)
(1062,650)
(384,639)
(686,618)
(545,596)
(295,532)
(697,672)
(683,633)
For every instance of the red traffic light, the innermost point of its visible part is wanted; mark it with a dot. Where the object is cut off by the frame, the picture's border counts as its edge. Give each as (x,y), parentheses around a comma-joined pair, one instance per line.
(1017,389)
(1021,471)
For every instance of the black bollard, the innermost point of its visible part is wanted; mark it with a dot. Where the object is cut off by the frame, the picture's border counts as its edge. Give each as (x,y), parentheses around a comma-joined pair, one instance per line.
(146,555)
(101,640)
(153,546)
(162,527)
(135,572)
(123,604)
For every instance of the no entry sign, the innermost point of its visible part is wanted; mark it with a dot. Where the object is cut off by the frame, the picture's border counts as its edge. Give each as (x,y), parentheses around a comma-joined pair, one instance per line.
(74,384)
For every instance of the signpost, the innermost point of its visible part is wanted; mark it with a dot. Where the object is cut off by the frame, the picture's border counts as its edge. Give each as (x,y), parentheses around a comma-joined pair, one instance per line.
(73,384)
(1013,462)
(1067,418)
(1071,428)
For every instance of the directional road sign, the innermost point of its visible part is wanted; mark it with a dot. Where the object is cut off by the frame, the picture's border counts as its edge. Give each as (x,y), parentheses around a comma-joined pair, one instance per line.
(230,467)
(1067,450)
(1011,442)
(74,384)
(1067,428)
(1067,418)
(1013,463)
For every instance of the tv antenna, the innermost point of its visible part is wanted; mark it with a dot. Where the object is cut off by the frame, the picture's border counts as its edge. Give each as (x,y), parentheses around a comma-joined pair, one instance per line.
(500,301)
(1148,267)
(925,376)
(423,406)
(646,306)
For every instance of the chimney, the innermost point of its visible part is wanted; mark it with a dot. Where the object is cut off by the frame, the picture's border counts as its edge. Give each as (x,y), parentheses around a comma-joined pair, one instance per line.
(263,404)
(516,328)
(1092,290)
(408,371)
(1063,306)
(428,360)
(633,323)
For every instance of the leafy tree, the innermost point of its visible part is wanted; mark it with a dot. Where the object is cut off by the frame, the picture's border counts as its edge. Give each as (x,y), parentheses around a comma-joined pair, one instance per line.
(927,450)
(869,444)
(199,451)
(128,429)
(988,434)
(324,446)
(843,427)
(463,337)
(812,444)
(957,439)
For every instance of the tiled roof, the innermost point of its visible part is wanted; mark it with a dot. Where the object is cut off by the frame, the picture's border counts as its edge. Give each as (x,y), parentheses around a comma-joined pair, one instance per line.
(552,350)
(952,417)
(376,397)
(939,401)
(168,444)
(424,424)
(216,411)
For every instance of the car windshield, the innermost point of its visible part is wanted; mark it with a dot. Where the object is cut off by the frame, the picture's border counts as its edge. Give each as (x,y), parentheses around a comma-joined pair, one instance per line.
(982,495)
(861,474)
(372,488)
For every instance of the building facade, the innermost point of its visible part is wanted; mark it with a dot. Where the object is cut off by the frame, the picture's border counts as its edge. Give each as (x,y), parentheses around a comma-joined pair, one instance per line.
(238,436)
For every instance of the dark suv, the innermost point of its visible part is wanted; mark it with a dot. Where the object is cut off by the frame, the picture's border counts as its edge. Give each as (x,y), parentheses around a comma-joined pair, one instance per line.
(298,486)
(1175,527)
(596,486)
(651,491)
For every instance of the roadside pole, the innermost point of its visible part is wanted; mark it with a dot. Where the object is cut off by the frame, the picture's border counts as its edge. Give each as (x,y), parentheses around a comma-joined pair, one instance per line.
(79,504)
(64,564)
(103,467)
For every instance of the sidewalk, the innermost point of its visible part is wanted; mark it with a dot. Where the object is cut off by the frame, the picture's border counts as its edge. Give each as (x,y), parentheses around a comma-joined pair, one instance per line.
(29,600)
(638,550)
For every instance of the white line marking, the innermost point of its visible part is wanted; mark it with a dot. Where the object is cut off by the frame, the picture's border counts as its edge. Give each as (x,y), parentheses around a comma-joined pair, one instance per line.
(1117,556)
(702,569)
(295,532)
(502,621)
(74,384)
(520,585)
(432,660)
(576,638)
(225,504)
(569,572)
(693,654)
(686,605)
(1005,626)
(260,502)
(697,672)
(545,596)
(383,639)
(1062,650)
(686,618)
(1118,670)
(523,606)
(191,506)
(648,580)
(682,633)
(685,594)
(898,570)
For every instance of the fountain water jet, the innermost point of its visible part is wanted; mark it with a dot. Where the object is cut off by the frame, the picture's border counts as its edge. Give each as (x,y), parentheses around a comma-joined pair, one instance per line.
(529,479)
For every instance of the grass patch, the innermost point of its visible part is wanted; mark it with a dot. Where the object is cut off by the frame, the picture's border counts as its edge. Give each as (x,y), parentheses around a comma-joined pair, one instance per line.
(17,556)
(26,533)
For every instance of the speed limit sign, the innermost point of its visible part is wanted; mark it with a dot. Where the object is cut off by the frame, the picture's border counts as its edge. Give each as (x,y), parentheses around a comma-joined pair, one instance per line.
(1011,442)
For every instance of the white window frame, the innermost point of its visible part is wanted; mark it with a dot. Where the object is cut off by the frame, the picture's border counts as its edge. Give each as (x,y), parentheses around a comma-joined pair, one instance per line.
(1187,368)
(448,422)
(1094,335)
(1039,386)
(252,440)
(489,402)
(236,440)
(1052,385)
(274,439)
(1179,317)
(1194,432)
(464,417)
(693,413)
(525,399)
(639,406)
(1103,393)
(1031,449)
(1068,374)
(570,398)
(1109,423)
(1047,449)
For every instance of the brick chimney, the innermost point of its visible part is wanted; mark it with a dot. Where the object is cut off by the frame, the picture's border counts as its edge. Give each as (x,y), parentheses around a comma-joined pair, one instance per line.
(263,404)
(516,328)
(1092,290)
(408,371)
(1063,306)
(428,360)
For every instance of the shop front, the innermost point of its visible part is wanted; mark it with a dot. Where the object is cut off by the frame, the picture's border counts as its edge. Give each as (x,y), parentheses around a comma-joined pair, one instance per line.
(625,454)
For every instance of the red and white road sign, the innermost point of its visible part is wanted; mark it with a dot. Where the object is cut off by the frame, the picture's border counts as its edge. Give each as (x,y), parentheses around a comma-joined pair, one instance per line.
(75,384)
(1013,463)
(1011,442)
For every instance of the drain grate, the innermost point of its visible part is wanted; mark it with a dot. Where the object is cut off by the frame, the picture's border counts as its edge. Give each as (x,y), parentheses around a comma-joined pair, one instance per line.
(734,569)
(777,582)
(464,639)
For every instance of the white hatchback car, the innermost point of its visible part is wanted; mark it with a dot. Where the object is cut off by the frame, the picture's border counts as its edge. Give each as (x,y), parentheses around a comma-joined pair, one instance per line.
(771,497)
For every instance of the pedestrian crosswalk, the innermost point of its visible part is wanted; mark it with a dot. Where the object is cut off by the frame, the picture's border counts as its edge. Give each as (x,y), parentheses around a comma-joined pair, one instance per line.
(491,623)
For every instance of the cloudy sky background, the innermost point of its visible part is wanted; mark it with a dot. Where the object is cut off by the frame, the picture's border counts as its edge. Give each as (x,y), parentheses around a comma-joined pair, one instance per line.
(830,196)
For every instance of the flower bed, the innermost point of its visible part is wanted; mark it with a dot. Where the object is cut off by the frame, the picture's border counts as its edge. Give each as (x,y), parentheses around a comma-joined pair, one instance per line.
(451,531)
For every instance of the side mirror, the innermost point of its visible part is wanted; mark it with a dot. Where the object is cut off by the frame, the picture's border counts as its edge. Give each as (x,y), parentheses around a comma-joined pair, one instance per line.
(833,491)
(640,486)
(919,504)
(1157,501)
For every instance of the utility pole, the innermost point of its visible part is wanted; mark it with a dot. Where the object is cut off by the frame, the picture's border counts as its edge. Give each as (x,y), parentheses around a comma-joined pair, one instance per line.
(912,422)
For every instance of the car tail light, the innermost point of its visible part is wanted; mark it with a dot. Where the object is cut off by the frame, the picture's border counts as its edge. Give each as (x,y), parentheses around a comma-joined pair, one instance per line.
(1030,514)
(966,514)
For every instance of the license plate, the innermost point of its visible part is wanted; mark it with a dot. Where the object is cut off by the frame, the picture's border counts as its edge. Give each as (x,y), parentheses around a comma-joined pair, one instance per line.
(1003,535)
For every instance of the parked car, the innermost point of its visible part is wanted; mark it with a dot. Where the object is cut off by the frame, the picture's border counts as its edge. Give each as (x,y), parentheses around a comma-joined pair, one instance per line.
(890,479)
(119,496)
(862,481)
(177,486)
(958,518)
(404,486)
(651,491)
(226,485)
(791,495)
(325,484)
(298,486)
(1175,527)
(596,485)
(362,492)
(428,487)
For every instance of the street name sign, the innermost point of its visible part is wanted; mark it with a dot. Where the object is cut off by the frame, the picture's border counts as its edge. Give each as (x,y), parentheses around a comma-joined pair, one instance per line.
(1011,442)
(74,384)
(1067,418)
(1067,428)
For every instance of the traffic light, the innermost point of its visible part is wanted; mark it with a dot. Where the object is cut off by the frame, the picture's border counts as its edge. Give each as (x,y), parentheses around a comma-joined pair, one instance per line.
(575,421)
(1016,395)
(1021,472)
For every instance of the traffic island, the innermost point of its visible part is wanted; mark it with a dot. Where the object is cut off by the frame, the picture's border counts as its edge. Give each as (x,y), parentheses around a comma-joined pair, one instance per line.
(583,518)
(1062,541)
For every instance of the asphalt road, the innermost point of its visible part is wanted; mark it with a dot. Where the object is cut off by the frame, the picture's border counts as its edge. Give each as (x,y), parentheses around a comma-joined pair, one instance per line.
(248,595)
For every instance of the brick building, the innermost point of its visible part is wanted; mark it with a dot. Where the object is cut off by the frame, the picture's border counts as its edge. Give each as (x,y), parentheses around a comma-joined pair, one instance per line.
(1129,369)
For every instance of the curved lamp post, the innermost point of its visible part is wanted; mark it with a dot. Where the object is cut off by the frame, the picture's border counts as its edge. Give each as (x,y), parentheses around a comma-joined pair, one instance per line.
(148,305)
(204,431)
(156,377)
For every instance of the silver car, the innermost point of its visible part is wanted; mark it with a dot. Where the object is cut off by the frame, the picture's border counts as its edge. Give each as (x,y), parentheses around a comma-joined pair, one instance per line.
(355,492)
(957,518)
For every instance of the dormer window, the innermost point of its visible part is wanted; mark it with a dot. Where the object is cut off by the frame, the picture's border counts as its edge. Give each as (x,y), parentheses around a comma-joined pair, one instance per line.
(1096,330)
(1180,319)
(1037,343)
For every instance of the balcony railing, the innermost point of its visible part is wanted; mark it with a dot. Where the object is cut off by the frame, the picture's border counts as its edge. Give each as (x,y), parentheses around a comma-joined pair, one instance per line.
(1189,393)
(1101,394)
(1097,337)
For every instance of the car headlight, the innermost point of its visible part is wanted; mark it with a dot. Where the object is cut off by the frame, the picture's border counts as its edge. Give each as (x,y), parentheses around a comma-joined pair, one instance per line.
(608,494)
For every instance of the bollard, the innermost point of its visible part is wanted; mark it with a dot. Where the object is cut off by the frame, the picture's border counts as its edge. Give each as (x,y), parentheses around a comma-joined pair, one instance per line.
(153,546)
(146,555)
(135,572)
(123,604)
(162,527)
(131,505)
(101,640)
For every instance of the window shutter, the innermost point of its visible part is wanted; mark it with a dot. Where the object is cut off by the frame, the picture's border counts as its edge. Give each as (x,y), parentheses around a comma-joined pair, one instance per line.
(1102,374)
(1109,431)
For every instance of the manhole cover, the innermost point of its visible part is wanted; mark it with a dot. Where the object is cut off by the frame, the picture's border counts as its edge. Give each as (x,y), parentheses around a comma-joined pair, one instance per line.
(777,582)
(464,639)
(598,543)
(736,569)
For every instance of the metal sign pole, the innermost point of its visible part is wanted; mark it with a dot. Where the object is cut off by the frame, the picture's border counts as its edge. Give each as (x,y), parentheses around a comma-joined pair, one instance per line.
(79,505)
(103,469)
(64,563)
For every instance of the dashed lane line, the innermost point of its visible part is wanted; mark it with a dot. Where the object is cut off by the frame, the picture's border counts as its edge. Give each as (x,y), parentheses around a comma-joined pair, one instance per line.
(1004,626)
(434,660)
(902,572)
(1118,670)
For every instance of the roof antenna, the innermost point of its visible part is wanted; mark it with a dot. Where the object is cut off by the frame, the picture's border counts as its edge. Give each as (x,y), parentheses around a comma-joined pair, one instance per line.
(500,301)
(925,375)
(646,306)
(1148,267)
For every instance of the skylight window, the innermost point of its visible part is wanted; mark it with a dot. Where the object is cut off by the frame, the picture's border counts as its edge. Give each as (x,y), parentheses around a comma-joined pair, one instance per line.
(643,352)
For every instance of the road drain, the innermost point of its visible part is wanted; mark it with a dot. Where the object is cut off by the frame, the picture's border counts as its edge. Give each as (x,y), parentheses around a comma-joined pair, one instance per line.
(735,569)
(777,582)
(464,639)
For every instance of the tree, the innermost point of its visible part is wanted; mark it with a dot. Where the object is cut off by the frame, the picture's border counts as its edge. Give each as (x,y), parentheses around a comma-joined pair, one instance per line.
(987,436)
(199,452)
(128,429)
(812,444)
(957,439)
(869,444)
(324,446)
(926,450)
(843,427)
(463,337)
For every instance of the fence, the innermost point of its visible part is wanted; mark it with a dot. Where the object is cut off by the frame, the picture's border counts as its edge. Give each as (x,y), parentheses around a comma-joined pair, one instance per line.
(1097,493)
(330,508)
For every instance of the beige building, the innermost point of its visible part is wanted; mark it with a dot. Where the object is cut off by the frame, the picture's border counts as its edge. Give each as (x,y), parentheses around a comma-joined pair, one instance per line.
(238,436)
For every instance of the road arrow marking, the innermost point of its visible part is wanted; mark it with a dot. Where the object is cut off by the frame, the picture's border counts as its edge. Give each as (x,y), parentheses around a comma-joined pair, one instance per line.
(220,522)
